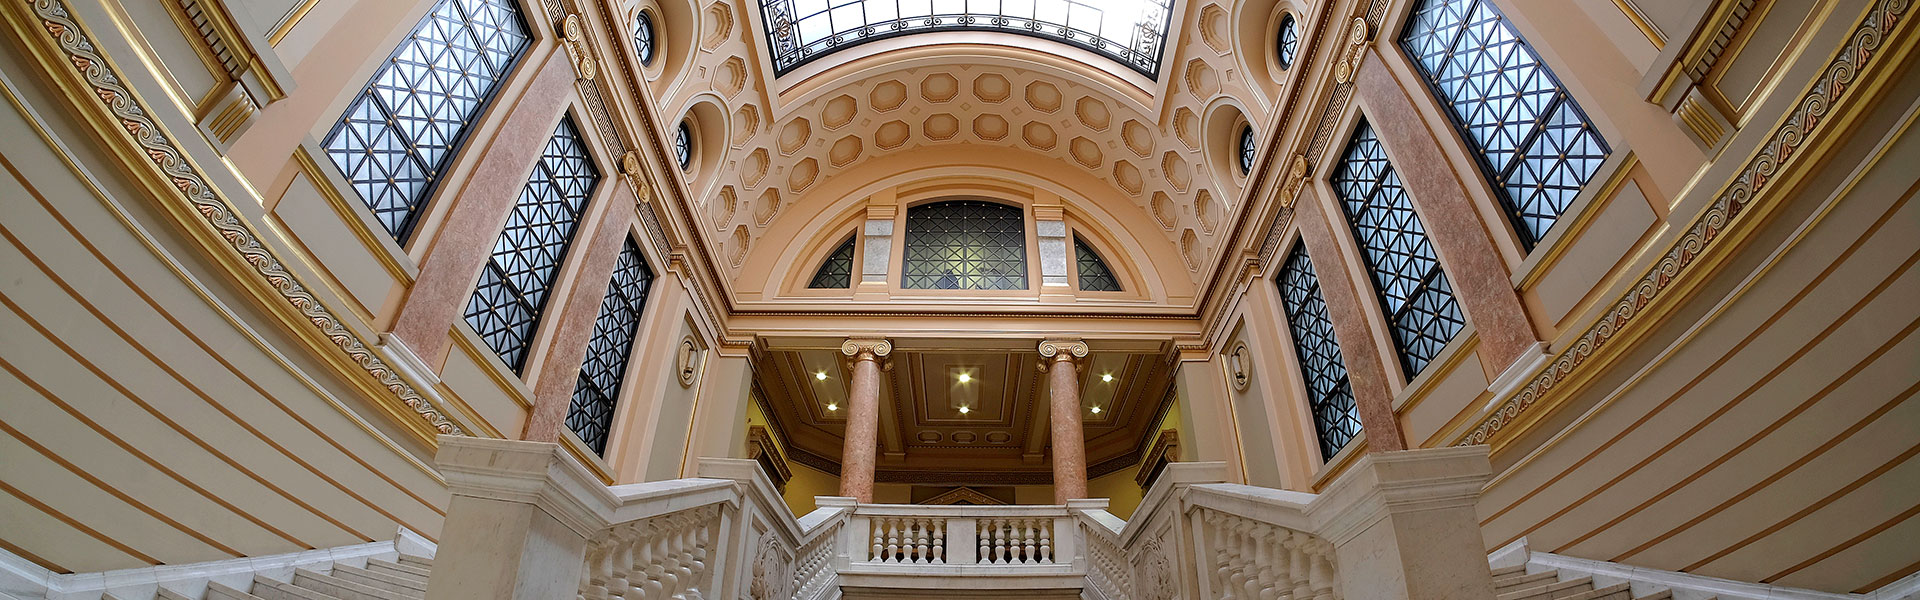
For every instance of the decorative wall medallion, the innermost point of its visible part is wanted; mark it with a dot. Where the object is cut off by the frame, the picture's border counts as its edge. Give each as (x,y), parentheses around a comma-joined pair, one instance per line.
(1240,366)
(688,361)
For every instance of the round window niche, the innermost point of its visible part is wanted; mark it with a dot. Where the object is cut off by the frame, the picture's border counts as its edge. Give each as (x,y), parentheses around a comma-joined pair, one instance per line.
(1248,147)
(1288,43)
(683,146)
(643,38)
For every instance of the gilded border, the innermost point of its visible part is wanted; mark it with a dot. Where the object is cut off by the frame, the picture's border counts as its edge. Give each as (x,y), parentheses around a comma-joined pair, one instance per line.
(73,41)
(1786,140)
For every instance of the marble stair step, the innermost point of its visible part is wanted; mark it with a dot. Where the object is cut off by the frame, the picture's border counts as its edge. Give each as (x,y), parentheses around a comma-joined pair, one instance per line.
(1522,581)
(274,589)
(386,581)
(1618,591)
(418,573)
(167,594)
(1559,590)
(216,591)
(343,589)
(1505,572)
(416,561)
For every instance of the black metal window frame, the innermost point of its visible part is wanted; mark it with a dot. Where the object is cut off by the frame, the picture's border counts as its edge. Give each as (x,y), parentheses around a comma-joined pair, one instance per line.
(1249,147)
(787,56)
(836,270)
(644,37)
(1287,43)
(394,115)
(596,391)
(1536,165)
(1422,313)
(511,296)
(683,145)
(1323,369)
(965,245)
(1093,272)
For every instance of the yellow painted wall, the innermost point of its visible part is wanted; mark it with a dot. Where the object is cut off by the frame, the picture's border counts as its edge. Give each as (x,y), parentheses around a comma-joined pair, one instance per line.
(808,482)
(1121,491)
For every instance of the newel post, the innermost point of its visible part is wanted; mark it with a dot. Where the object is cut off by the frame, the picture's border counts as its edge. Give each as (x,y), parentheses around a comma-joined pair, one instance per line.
(1404,526)
(514,527)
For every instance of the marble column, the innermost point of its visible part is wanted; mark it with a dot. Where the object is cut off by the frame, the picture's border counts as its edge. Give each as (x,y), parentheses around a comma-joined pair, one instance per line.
(1061,360)
(862,446)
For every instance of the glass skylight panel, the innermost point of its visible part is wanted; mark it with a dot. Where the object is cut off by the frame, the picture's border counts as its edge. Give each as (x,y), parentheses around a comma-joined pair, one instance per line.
(1132,32)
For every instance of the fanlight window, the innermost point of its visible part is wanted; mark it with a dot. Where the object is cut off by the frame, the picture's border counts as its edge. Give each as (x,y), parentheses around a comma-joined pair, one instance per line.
(1414,294)
(399,134)
(1132,32)
(597,391)
(515,284)
(1329,394)
(643,43)
(1289,43)
(1534,144)
(683,146)
(836,272)
(966,245)
(1248,147)
(1094,274)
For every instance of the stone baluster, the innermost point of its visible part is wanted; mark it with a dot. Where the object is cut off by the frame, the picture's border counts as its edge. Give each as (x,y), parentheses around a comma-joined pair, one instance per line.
(939,542)
(1216,536)
(985,534)
(893,540)
(999,541)
(1300,570)
(923,550)
(1046,541)
(1031,542)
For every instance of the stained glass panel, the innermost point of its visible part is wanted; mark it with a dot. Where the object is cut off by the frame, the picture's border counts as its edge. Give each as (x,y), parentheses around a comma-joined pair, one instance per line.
(1132,32)
(836,272)
(966,245)
(1322,370)
(1414,294)
(1094,274)
(1534,144)
(401,131)
(597,391)
(514,284)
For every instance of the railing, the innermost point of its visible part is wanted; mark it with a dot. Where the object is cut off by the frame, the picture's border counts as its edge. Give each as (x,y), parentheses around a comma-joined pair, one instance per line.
(963,535)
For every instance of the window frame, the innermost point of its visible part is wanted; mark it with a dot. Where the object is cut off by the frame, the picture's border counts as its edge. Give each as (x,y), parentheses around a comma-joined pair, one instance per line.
(781,67)
(625,378)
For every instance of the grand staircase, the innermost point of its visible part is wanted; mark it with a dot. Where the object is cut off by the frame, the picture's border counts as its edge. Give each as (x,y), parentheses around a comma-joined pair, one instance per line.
(1515,583)
(402,579)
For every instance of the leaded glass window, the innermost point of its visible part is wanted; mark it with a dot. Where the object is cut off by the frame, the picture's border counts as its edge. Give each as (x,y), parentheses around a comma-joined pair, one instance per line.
(836,272)
(1289,43)
(1132,32)
(1322,370)
(597,390)
(1094,274)
(1414,294)
(400,133)
(683,145)
(966,245)
(515,282)
(1534,144)
(643,37)
(1248,147)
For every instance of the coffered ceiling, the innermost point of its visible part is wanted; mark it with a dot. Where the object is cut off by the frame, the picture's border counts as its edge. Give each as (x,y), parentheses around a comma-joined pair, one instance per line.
(964,414)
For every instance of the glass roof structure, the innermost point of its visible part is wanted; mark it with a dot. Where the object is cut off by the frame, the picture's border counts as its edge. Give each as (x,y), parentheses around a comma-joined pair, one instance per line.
(1131,32)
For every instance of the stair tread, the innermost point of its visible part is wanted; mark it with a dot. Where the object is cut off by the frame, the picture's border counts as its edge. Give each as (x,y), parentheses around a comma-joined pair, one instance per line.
(375,564)
(274,589)
(1515,582)
(398,583)
(167,594)
(1551,591)
(344,589)
(219,591)
(418,561)
(1506,571)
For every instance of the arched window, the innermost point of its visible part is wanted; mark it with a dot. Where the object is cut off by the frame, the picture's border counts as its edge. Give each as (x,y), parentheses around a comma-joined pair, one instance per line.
(1322,370)
(683,145)
(643,42)
(514,285)
(1533,143)
(1289,43)
(836,272)
(597,390)
(399,134)
(1094,274)
(1133,33)
(1413,290)
(1248,146)
(966,245)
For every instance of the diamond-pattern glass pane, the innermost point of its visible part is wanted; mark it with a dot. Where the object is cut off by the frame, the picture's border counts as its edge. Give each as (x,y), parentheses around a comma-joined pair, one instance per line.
(683,146)
(399,133)
(1248,146)
(1535,146)
(590,414)
(1414,294)
(1094,274)
(1132,32)
(514,284)
(643,37)
(1289,43)
(1329,395)
(966,245)
(837,271)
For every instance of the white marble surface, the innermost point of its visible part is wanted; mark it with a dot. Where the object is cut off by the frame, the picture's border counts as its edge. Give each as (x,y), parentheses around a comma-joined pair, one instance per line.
(20,579)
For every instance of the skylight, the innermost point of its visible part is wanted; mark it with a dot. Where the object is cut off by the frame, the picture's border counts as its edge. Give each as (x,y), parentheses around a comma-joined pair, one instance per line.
(1131,32)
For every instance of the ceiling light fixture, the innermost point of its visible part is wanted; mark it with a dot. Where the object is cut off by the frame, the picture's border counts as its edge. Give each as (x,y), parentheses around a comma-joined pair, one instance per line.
(965,410)
(1106,377)
(966,377)
(1096,410)
(820,375)
(832,407)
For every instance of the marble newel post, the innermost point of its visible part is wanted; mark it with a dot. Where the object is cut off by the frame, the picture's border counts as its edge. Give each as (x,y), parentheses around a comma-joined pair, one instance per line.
(858,456)
(1061,360)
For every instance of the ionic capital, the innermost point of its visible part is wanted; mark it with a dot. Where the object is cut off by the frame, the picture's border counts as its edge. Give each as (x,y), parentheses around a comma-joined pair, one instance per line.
(860,349)
(1062,351)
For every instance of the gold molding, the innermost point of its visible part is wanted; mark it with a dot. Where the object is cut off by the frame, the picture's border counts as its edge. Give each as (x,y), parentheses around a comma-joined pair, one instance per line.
(1578,226)
(119,117)
(288,22)
(1708,242)
(1641,23)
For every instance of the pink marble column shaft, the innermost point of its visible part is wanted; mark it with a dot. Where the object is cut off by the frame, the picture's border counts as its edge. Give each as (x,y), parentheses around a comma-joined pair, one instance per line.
(560,369)
(1069,441)
(862,446)
(1366,374)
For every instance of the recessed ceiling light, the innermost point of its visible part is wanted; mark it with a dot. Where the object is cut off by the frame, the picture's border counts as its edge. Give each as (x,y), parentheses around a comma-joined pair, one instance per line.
(1096,410)
(831,406)
(965,410)
(820,375)
(966,377)
(1106,377)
